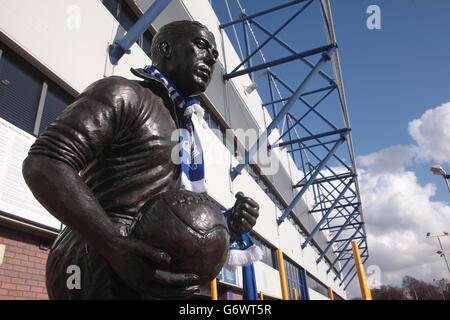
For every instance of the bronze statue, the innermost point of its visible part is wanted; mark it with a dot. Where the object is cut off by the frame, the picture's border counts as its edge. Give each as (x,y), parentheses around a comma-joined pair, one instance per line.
(104,166)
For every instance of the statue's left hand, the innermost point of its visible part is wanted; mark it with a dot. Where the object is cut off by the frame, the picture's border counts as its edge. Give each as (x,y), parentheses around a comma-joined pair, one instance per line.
(244,215)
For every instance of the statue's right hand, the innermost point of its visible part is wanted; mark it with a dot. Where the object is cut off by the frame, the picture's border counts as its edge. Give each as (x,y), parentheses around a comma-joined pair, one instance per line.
(142,266)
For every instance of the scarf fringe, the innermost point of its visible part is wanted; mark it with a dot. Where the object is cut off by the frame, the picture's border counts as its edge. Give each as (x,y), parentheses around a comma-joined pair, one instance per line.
(238,258)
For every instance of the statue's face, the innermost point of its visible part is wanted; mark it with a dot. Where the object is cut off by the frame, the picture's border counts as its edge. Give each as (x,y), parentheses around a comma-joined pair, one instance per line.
(193,59)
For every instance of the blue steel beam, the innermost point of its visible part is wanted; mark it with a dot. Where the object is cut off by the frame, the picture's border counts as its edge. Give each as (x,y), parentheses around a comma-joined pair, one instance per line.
(356,238)
(351,279)
(286,46)
(330,243)
(311,179)
(348,198)
(338,275)
(335,188)
(337,227)
(120,47)
(344,212)
(303,95)
(350,250)
(314,137)
(319,224)
(307,147)
(290,58)
(337,207)
(273,35)
(263,138)
(341,253)
(326,148)
(247,48)
(329,179)
(311,108)
(261,13)
(329,194)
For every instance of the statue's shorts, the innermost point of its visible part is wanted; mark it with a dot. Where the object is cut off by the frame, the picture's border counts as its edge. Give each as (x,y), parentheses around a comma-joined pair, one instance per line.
(77,271)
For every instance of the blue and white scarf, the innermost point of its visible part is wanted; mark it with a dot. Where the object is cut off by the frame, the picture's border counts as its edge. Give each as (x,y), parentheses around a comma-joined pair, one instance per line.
(191,151)
(242,250)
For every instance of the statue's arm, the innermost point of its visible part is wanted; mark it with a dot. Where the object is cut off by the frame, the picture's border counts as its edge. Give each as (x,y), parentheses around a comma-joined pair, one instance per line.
(51,169)
(59,188)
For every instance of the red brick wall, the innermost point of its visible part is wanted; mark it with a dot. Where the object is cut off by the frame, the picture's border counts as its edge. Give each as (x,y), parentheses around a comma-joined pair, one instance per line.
(22,274)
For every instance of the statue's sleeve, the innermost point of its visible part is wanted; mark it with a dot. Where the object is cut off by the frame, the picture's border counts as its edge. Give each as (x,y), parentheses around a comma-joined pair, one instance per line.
(91,123)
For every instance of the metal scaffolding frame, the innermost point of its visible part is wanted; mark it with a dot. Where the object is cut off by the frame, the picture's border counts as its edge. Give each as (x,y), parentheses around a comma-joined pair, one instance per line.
(325,156)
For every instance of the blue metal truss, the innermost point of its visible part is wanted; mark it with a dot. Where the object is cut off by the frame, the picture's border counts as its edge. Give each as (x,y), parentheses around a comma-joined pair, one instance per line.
(323,153)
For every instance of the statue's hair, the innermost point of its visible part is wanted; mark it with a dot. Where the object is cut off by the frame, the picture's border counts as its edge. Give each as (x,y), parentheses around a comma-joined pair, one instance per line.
(173,32)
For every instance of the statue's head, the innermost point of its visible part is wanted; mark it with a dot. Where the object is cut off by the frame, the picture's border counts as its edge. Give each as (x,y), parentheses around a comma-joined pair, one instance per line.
(186,52)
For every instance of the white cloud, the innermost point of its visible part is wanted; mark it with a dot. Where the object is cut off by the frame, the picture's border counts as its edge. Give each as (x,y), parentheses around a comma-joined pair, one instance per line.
(432,134)
(399,210)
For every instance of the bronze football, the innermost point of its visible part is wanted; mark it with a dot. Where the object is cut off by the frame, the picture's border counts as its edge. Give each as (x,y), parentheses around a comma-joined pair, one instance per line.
(190,227)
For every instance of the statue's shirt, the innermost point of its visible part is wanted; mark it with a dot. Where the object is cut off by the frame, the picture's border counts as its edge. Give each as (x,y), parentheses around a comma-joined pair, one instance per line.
(120,135)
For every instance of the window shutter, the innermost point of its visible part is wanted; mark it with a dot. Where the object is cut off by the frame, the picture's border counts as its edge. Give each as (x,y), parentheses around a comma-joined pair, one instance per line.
(20,90)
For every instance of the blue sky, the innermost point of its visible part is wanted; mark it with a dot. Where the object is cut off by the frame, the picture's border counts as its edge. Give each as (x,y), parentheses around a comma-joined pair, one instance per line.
(392,76)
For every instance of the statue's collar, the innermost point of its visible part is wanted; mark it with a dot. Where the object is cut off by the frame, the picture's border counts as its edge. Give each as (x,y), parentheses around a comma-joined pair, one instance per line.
(141,73)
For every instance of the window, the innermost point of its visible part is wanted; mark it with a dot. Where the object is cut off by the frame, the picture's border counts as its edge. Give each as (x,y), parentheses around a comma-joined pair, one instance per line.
(269,257)
(317,286)
(262,182)
(22,89)
(127,18)
(56,100)
(293,279)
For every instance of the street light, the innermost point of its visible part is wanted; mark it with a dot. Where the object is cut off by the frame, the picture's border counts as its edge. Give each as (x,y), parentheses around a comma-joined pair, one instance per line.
(439,171)
(441,252)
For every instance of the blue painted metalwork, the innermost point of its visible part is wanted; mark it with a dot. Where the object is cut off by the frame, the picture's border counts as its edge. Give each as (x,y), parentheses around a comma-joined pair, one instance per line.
(343,131)
(274,34)
(261,13)
(319,151)
(247,47)
(353,276)
(342,252)
(279,117)
(327,213)
(120,47)
(330,243)
(287,59)
(294,202)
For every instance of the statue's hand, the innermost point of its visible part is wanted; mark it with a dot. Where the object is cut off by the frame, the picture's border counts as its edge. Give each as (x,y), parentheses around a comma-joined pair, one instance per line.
(141,267)
(244,215)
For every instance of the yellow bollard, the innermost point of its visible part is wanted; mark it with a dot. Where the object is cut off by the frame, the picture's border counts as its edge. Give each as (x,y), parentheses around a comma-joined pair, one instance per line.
(363,284)
(214,295)
(330,293)
(261,296)
(295,294)
(284,289)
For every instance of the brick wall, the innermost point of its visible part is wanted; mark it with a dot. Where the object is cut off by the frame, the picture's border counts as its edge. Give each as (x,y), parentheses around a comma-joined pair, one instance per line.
(22,273)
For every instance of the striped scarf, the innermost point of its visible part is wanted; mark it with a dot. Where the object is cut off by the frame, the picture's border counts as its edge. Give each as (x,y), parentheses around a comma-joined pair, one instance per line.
(191,151)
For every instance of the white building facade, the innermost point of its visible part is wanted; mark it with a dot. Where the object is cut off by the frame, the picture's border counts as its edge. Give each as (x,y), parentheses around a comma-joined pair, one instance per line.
(51,50)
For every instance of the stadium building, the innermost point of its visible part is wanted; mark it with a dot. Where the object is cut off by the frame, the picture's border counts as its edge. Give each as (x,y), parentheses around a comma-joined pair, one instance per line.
(302,173)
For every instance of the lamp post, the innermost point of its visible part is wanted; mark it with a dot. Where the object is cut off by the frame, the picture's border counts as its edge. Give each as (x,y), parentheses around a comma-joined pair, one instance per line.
(441,252)
(439,171)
